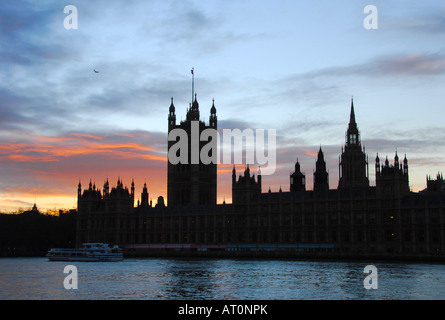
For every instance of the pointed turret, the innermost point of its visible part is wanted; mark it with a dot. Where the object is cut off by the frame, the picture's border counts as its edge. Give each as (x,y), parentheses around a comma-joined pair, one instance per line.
(144,196)
(377,164)
(297,166)
(320,156)
(213,119)
(172,107)
(405,165)
(171,115)
(321,177)
(213,109)
(297,179)
(132,190)
(352,134)
(106,187)
(193,112)
(352,121)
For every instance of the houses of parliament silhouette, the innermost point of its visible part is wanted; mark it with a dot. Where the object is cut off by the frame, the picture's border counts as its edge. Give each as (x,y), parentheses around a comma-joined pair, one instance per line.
(355,220)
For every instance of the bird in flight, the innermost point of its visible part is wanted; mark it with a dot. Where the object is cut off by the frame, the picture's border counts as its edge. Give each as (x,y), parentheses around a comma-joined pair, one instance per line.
(96,71)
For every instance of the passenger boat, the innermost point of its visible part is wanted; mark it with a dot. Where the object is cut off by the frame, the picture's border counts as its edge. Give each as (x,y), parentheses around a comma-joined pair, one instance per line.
(89,252)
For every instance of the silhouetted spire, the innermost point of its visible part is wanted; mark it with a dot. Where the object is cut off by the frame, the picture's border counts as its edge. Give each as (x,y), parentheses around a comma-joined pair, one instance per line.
(321,180)
(213,119)
(106,188)
(195,103)
(352,128)
(132,189)
(213,109)
(297,166)
(144,196)
(405,165)
(320,155)
(172,107)
(352,134)
(171,115)
(352,115)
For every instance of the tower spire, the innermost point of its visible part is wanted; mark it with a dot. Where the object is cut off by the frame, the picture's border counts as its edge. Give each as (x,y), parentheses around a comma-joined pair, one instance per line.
(352,115)
(353,162)
(352,134)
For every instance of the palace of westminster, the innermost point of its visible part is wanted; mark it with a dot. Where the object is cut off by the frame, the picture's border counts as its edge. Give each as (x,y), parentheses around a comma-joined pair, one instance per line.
(354,220)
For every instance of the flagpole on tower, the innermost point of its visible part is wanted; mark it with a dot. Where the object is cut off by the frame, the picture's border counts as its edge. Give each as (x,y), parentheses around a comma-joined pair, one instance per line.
(193,83)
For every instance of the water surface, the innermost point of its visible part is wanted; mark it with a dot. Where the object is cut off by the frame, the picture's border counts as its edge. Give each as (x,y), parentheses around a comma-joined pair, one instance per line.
(168,279)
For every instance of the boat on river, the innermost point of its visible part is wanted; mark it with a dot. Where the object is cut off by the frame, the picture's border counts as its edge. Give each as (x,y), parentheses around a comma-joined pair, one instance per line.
(89,252)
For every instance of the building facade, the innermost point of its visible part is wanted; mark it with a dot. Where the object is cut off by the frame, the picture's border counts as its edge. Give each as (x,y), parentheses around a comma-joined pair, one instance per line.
(355,220)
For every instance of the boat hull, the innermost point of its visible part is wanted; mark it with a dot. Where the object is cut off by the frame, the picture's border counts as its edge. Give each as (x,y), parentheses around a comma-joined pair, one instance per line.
(86,259)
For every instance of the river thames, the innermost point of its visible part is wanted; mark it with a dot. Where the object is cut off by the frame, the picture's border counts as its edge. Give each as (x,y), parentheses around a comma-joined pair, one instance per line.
(218,279)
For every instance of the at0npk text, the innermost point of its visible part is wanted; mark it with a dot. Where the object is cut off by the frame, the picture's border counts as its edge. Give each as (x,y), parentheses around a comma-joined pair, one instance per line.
(244,309)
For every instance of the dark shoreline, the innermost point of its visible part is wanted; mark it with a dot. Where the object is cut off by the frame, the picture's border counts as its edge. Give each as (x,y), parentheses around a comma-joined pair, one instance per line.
(334,257)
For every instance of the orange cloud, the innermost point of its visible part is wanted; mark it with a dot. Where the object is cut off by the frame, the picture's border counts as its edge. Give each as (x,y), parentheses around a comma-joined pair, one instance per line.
(310,153)
(28,158)
(154,157)
(85,135)
(62,147)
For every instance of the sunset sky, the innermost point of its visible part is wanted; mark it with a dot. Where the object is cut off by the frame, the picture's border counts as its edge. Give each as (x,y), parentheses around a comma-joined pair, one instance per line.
(292,66)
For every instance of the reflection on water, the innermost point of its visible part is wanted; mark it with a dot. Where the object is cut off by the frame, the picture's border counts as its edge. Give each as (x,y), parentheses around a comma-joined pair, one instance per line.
(37,278)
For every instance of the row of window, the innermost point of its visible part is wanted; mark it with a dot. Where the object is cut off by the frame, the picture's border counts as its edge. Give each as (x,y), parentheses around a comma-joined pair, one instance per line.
(338,237)
(214,221)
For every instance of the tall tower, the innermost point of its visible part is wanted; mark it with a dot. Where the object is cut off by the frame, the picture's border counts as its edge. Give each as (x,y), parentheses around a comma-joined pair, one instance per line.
(321,176)
(192,181)
(353,166)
